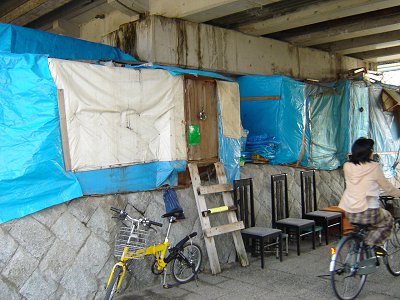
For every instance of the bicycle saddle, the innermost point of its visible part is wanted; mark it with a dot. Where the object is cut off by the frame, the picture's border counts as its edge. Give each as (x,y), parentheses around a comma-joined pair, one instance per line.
(177,213)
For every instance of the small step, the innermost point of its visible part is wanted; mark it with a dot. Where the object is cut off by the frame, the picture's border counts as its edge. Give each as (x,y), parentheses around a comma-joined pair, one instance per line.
(217,230)
(217,210)
(216,188)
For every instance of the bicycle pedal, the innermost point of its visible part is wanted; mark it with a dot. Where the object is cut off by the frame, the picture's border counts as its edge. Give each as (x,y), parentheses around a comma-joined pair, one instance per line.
(367,266)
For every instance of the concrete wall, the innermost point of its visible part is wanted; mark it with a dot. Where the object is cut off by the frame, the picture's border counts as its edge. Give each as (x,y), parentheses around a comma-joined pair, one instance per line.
(66,251)
(199,46)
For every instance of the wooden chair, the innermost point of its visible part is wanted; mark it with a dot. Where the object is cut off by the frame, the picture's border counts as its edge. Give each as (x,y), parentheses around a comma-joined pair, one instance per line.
(280,212)
(258,239)
(309,206)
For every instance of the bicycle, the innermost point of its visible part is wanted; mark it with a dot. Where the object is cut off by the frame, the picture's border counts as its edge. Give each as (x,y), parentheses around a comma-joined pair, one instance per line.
(185,257)
(352,260)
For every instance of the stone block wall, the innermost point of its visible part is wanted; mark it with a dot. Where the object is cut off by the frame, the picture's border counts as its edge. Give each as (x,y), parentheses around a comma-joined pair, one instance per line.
(66,251)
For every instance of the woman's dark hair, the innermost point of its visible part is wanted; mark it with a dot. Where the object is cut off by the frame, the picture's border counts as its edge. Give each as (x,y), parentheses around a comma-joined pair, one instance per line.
(361,151)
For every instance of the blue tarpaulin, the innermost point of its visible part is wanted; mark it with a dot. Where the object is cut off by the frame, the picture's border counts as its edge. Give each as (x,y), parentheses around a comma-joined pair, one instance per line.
(16,39)
(229,152)
(179,71)
(316,124)
(140,177)
(308,122)
(32,175)
(274,106)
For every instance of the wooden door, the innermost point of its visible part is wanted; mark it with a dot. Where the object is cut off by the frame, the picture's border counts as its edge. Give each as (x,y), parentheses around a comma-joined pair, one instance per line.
(200,98)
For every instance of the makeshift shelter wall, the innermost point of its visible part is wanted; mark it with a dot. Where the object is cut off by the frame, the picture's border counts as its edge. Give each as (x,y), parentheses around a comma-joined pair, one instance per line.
(310,121)
(16,39)
(32,175)
(22,192)
(133,178)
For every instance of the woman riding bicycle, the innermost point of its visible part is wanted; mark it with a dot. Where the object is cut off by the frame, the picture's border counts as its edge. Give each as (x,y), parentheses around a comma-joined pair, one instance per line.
(364,178)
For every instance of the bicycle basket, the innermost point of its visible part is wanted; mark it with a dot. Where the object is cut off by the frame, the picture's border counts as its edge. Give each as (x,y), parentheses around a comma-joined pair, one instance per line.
(135,237)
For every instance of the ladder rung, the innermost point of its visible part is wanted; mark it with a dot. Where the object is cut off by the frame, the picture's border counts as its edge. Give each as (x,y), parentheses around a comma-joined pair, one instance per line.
(217,210)
(216,188)
(217,230)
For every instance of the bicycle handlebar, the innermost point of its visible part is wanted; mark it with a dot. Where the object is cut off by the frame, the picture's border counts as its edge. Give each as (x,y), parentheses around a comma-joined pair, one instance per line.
(124,215)
(155,223)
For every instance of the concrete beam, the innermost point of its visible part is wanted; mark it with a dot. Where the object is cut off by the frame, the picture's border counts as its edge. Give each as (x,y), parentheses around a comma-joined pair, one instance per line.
(31,10)
(324,11)
(381,55)
(362,44)
(200,46)
(385,59)
(347,31)
(202,11)
(92,11)
(130,7)
(95,29)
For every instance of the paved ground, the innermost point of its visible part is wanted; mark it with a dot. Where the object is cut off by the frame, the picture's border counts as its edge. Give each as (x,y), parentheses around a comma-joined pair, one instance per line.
(297,277)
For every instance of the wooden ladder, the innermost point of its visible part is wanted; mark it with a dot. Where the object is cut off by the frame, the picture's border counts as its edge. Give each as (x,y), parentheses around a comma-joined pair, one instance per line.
(234,226)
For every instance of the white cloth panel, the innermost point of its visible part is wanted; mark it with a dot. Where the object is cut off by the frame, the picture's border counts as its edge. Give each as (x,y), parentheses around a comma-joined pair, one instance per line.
(120,116)
(229,97)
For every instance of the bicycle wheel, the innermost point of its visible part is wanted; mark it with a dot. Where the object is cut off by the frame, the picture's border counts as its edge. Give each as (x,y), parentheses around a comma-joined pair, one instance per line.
(345,280)
(112,287)
(187,263)
(392,247)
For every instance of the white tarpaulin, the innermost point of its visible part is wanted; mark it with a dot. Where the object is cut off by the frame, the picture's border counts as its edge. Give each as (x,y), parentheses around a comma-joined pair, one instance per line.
(119,116)
(229,97)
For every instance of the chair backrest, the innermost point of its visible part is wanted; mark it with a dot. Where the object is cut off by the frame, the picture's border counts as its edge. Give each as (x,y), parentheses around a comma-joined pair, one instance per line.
(244,201)
(308,192)
(279,196)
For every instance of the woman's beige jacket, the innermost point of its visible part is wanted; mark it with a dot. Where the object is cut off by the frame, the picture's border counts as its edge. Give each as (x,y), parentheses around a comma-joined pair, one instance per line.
(362,181)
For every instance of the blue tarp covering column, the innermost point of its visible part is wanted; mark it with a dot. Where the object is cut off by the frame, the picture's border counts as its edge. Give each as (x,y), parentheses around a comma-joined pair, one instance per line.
(329,123)
(384,131)
(359,111)
(32,175)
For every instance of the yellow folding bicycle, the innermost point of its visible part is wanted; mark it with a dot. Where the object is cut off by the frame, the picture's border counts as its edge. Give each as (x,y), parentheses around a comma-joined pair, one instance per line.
(185,257)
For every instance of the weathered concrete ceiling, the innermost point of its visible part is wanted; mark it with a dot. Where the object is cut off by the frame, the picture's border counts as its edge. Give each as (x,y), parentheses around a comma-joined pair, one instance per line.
(365,29)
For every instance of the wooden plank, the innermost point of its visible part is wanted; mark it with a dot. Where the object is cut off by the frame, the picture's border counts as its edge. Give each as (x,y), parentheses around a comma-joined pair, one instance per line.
(204,221)
(222,229)
(232,218)
(64,131)
(390,99)
(260,98)
(216,188)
